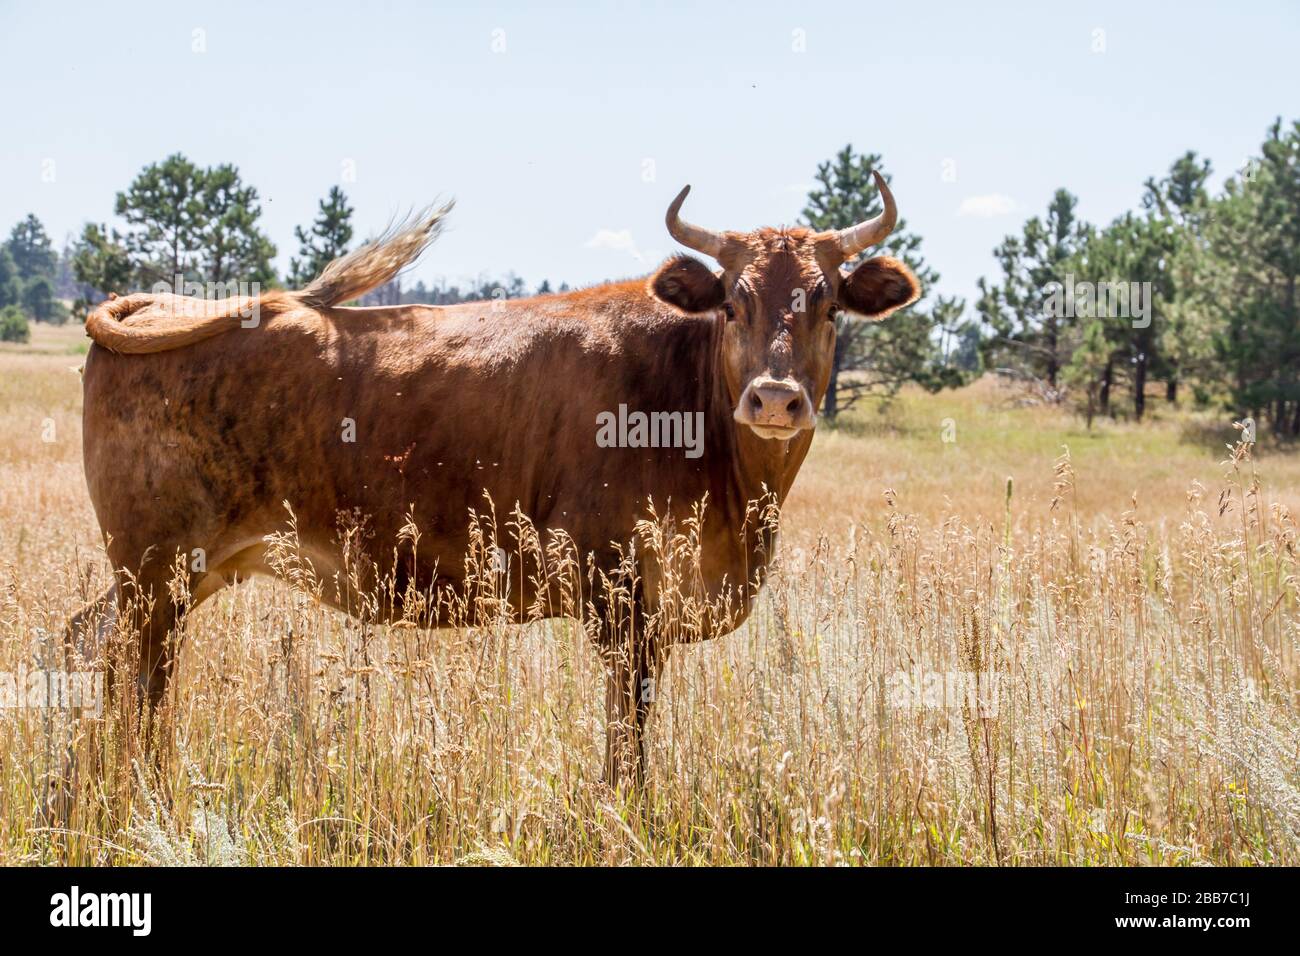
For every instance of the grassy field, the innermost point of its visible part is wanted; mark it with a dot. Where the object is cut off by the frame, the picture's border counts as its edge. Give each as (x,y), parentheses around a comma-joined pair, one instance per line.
(1135,601)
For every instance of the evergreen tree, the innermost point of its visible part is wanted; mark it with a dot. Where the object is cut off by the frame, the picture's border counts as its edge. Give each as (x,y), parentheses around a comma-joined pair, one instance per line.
(1216,278)
(165,205)
(1025,332)
(1180,196)
(1098,344)
(65,283)
(1242,292)
(196,224)
(872,356)
(1089,367)
(30,249)
(959,340)
(11,289)
(101,263)
(229,245)
(327,239)
(39,302)
(1179,203)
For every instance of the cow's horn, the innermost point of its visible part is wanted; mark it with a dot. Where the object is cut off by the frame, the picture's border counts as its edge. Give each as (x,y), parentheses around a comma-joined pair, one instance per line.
(855,239)
(693,237)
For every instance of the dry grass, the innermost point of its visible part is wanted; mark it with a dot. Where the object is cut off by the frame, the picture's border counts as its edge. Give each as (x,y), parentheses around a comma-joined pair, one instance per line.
(1135,601)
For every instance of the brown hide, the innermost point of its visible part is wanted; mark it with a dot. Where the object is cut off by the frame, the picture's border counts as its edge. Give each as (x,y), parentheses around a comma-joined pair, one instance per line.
(202,446)
(200,429)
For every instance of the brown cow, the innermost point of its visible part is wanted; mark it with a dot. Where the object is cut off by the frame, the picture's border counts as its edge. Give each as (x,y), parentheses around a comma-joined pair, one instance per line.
(200,426)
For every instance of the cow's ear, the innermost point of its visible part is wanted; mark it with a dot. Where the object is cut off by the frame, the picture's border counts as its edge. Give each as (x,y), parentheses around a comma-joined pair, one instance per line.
(688,285)
(878,287)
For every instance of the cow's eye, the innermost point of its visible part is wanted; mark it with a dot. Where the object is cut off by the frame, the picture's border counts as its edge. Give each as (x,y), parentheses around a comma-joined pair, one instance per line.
(728,310)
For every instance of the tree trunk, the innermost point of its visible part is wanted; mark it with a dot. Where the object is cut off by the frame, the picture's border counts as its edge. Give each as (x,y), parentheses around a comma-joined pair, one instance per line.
(1053,337)
(831,404)
(1140,386)
(1106,379)
(1171,391)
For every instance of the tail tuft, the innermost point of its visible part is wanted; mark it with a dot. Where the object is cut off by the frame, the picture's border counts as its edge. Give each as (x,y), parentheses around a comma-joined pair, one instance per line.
(353,275)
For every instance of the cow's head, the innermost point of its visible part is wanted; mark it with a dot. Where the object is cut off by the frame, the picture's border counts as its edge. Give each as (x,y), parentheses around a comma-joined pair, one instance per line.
(778,293)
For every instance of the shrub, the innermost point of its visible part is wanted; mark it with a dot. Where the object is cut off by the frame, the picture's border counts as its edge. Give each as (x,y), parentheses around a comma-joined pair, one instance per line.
(13,325)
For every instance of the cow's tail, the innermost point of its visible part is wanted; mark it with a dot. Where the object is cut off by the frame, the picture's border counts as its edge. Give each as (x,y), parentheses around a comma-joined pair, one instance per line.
(353,275)
(186,324)
(346,278)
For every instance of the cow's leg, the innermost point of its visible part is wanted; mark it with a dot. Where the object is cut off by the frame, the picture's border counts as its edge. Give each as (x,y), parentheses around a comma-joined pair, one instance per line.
(159,601)
(154,617)
(85,639)
(158,615)
(631,673)
(153,608)
(151,615)
(86,634)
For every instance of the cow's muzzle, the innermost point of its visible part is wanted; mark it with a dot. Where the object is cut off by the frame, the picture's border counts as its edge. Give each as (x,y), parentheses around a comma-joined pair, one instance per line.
(775,408)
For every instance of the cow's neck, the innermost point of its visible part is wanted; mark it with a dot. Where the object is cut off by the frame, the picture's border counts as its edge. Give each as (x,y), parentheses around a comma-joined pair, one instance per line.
(761,466)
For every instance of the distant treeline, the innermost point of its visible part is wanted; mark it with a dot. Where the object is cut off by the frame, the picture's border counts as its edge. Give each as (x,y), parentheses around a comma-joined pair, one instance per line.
(1190,290)
(178,222)
(33,278)
(184,224)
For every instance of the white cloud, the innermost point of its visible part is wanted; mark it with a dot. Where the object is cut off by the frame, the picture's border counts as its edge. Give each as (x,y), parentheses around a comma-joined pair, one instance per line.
(987,207)
(619,240)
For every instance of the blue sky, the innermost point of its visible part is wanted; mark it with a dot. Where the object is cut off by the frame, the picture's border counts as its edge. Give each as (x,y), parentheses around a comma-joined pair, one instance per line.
(563,130)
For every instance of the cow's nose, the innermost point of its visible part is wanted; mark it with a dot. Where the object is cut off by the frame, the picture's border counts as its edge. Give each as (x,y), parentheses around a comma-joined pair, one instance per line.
(776,403)
(779,404)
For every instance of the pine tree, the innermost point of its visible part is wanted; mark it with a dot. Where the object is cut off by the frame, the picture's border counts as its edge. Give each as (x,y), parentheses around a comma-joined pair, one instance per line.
(327,239)
(229,245)
(39,302)
(31,251)
(195,224)
(11,289)
(1025,333)
(1180,202)
(1098,340)
(101,263)
(958,341)
(1243,292)
(1089,366)
(871,356)
(165,205)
